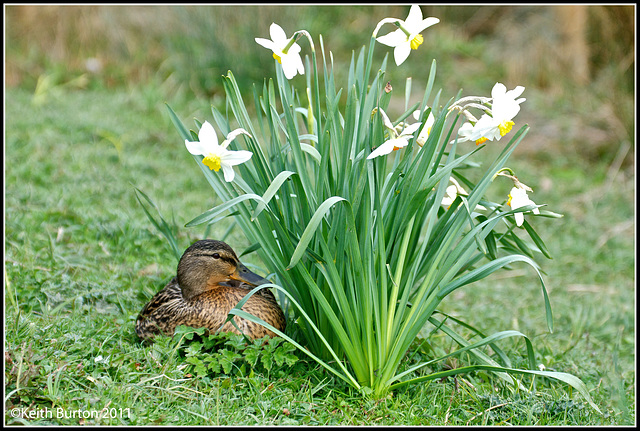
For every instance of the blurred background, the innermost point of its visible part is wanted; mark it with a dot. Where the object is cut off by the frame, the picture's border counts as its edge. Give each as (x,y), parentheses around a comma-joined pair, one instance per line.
(577,62)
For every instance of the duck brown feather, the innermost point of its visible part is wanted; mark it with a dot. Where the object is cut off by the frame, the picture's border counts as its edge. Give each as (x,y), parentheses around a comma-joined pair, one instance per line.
(206,289)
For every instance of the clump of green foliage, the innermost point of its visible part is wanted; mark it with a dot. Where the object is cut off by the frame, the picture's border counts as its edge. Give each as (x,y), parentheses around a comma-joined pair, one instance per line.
(232,354)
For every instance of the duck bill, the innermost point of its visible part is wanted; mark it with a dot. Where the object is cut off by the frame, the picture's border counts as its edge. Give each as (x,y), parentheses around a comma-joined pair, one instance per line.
(243,274)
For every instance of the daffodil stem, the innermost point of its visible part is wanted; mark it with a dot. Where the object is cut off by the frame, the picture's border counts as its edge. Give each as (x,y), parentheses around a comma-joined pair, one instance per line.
(297,35)
(293,40)
(401,27)
(381,23)
(500,173)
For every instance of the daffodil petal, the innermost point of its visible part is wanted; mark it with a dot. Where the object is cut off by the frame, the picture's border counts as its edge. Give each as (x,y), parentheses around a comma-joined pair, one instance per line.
(290,68)
(207,134)
(399,142)
(498,90)
(295,49)
(232,135)
(520,199)
(457,186)
(196,148)
(426,23)
(382,150)
(430,120)
(485,128)
(464,132)
(266,43)
(415,17)
(277,34)
(410,129)
(401,52)
(229,174)
(512,94)
(385,120)
(393,39)
(232,158)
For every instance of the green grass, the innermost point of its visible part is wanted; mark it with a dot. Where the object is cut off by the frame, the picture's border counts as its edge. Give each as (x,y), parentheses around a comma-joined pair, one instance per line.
(82,259)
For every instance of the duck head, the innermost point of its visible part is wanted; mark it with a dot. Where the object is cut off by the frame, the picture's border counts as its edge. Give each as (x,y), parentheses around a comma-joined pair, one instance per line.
(207,263)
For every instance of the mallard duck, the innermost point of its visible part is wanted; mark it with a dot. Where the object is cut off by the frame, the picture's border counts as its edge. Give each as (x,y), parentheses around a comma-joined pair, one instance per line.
(210,281)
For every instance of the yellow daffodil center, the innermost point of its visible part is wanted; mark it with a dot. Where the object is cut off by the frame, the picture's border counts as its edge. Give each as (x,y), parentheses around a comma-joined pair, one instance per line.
(212,161)
(505,127)
(416,41)
(277,57)
(481,141)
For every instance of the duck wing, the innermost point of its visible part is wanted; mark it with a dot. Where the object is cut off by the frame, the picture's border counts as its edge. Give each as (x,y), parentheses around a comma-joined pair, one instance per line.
(161,314)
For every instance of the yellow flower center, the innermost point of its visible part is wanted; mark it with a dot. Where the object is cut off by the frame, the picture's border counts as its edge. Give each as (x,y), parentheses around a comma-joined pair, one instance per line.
(277,57)
(505,127)
(416,41)
(509,200)
(212,161)
(481,141)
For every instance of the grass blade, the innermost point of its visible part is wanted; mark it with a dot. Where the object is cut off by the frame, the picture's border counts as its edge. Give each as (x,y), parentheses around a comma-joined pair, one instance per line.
(162,226)
(569,379)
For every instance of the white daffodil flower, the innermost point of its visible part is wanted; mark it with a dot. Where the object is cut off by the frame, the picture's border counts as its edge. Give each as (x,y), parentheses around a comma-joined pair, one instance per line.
(398,139)
(504,107)
(428,124)
(217,156)
(452,192)
(469,132)
(518,198)
(408,36)
(285,50)
(389,146)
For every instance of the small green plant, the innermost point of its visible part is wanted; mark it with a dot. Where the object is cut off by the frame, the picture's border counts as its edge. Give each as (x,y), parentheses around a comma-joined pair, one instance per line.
(232,354)
(367,223)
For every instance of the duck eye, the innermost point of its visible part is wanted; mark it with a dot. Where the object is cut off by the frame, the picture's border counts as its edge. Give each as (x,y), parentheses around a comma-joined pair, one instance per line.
(216,255)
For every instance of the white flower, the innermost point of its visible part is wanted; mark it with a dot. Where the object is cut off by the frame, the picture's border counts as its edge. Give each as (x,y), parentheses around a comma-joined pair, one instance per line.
(388,146)
(398,139)
(466,132)
(452,192)
(428,124)
(408,36)
(518,198)
(285,50)
(217,156)
(504,107)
